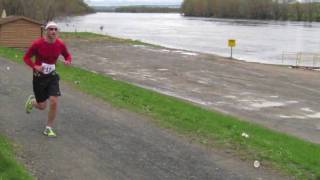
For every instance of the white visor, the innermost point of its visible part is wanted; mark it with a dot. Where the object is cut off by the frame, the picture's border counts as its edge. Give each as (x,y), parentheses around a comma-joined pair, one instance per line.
(51,24)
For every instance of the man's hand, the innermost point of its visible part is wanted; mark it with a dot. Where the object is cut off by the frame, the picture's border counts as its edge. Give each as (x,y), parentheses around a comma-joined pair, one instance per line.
(38,68)
(66,62)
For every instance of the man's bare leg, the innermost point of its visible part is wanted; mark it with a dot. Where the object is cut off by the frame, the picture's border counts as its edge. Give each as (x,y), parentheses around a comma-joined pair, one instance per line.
(53,110)
(40,106)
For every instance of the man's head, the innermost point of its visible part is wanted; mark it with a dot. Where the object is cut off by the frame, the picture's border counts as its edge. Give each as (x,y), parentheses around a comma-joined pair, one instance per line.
(51,31)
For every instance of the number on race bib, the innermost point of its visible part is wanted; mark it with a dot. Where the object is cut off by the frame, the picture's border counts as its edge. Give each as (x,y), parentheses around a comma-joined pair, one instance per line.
(48,68)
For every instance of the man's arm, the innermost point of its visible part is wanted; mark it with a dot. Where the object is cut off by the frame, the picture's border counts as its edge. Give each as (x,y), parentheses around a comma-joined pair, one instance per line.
(27,58)
(65,53)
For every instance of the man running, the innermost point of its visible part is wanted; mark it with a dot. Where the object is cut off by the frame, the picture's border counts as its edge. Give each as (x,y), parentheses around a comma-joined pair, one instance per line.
(46,51)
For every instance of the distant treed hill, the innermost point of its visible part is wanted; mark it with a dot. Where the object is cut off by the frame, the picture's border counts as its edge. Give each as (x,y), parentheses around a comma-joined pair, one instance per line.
(139,9)
(44,10)
(147,9)
(253,9)
(104,8)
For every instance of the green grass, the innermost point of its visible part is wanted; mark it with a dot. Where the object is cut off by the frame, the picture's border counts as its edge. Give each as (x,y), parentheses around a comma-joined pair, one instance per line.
(9,168)
(289,154)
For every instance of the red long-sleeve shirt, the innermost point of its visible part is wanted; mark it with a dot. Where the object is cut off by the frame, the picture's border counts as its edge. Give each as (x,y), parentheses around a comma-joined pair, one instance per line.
(45,52)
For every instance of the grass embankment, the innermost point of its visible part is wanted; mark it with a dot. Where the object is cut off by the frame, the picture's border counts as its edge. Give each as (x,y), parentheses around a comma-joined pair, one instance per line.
(290,154)
(9,168)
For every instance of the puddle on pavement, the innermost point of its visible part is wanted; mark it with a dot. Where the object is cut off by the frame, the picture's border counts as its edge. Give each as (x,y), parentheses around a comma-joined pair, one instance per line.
(306,109)
(292,117)
(162,69)
(187,53)
(315,115)
(266,104)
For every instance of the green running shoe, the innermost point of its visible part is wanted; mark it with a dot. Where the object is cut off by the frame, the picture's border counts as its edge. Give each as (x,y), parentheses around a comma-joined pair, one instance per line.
(49,132)
(29,104)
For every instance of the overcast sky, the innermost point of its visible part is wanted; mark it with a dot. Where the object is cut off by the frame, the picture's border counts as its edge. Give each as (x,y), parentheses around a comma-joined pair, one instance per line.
(132,2)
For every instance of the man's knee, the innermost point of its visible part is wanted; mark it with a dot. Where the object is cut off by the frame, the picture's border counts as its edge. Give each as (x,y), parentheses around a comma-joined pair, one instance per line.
(42,106)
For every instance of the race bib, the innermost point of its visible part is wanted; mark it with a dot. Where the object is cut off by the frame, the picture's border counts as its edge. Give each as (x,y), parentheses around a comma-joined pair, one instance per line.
(48,68)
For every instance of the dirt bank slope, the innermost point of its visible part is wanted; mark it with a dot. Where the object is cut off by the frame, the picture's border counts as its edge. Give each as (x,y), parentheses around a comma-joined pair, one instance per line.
(287,100)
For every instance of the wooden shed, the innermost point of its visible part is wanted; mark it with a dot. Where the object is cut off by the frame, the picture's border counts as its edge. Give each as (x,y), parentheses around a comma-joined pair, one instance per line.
(19,31)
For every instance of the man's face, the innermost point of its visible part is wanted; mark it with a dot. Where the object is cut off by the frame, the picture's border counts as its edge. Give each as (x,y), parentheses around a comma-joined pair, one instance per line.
(52,32)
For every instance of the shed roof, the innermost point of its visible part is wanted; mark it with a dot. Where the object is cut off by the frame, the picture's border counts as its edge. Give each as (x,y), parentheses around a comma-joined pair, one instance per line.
(15,18)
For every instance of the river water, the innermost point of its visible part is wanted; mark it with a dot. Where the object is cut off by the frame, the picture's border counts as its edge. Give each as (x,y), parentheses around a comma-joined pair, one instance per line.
(271,42)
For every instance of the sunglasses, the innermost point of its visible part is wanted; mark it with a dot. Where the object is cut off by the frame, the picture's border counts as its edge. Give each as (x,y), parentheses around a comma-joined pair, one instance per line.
(53,29)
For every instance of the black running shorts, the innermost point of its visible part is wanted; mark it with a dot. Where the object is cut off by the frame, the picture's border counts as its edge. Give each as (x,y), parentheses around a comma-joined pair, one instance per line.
(45,86)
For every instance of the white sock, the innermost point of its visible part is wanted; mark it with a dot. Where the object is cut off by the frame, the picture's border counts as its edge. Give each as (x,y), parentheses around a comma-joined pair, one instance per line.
(48,127)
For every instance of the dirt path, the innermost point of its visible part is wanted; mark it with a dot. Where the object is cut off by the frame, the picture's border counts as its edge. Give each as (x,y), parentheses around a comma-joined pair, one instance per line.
(287,100)
(96,141)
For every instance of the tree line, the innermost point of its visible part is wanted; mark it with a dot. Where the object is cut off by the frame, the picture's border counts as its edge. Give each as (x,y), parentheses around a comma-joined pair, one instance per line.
(138,9)
(44,10)
(146,9)
(253,9)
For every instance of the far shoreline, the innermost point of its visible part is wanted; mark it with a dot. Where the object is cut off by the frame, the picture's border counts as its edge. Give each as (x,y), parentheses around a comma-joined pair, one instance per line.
(94,36)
